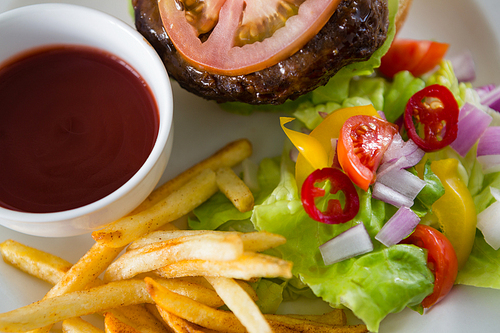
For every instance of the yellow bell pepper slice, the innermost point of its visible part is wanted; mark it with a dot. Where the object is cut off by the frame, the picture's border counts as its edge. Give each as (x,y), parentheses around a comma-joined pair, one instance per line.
(317,152)
(455,210)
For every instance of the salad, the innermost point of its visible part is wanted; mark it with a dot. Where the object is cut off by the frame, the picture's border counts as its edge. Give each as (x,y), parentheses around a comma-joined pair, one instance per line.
(432,178)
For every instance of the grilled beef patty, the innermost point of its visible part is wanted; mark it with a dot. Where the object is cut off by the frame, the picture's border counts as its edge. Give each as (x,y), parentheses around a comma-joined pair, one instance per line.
(356,30)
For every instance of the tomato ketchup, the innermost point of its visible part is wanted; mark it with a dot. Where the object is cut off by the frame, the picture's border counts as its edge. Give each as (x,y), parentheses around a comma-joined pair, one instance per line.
(76,123)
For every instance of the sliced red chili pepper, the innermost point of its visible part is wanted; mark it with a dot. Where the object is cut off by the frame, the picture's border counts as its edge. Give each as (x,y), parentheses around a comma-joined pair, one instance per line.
(334,213)
(431,118)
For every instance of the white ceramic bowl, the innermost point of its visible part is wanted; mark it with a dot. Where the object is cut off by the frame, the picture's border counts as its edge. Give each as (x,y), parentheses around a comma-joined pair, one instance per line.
(33,26)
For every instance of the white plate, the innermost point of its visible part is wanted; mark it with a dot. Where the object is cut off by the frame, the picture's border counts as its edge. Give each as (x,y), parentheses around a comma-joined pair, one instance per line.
(201,128)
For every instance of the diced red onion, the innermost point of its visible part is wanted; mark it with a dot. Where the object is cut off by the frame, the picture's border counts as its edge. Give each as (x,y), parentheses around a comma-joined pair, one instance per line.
(399,226)
(489,143)
(464,66)
(489,223)
(489,163)
(492,99)
(404,182)
(472,122)
(483,90)
(399,148)
(488,150)
(352,242)
(382,115)
(390,196)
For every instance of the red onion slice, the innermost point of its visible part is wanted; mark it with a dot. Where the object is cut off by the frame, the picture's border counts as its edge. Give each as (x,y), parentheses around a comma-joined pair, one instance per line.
(492,99)
(488,222)
(489,142)
(390,196)
(472,122)
(352,242)
(399,226)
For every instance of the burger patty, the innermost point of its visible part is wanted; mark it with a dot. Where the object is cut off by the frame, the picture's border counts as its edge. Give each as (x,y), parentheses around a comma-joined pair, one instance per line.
(356,30)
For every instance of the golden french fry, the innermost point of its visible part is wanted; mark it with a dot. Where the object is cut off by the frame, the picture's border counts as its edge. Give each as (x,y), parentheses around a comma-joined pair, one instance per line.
(83,273)
(177,204)
(114,325)
(252,241)
(193,311)
(136,317)
(243,307)
(180,325)
(229,156)
(214,246)
(42,265)
(234,189)
(78,325)
(74,304)
(334,317)
(250,265)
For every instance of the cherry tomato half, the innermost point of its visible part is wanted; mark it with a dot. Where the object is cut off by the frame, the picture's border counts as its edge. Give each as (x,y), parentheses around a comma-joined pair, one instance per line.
(334,214)
(441,260)
(432,112)
(227,50)
(362,142)
(416,56)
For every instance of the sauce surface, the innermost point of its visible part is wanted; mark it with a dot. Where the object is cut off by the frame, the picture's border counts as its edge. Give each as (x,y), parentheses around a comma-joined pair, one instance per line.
(76,123)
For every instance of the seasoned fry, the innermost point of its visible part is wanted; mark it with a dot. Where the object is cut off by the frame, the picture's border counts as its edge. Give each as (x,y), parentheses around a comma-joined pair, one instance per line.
(83,273)
(42,265)
(229,156)
(225,321)
(114,325)
(177,204)
(135,317)
(180,325)
(238,301)
(193,311)
(250,265)
(234,189)
(78,325)
(334,317)
(74,304)
(209,246)
(252,241)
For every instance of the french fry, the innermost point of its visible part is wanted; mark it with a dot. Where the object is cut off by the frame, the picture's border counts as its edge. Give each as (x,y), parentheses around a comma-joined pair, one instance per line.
(250,265)
(334,317)
(225,321)
(114,325)
(238,301)
(77,325)
(180,325)
(74,304)
(203,282)
(234,189)
(179,203)
(136,317)
(252,241)
(229,156)
(215,246)
(40,264)
(82,274)
(193,311)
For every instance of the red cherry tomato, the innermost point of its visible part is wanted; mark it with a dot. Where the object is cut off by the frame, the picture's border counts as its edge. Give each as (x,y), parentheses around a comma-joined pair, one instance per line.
(362,142)
(227,50)
(416,56)
(334,213)
(441,259)
(433,113)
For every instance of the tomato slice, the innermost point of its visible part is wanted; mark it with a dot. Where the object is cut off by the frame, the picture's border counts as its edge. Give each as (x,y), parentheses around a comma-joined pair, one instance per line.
(416,56)
(441,259)
(334,213)
(222,53)
(362,142)
(434,112)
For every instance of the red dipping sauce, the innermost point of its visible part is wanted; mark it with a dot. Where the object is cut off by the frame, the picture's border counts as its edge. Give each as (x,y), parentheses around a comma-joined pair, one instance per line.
(76,123)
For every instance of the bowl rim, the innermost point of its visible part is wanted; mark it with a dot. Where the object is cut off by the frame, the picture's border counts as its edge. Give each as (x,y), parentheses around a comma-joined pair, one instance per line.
(164,103)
